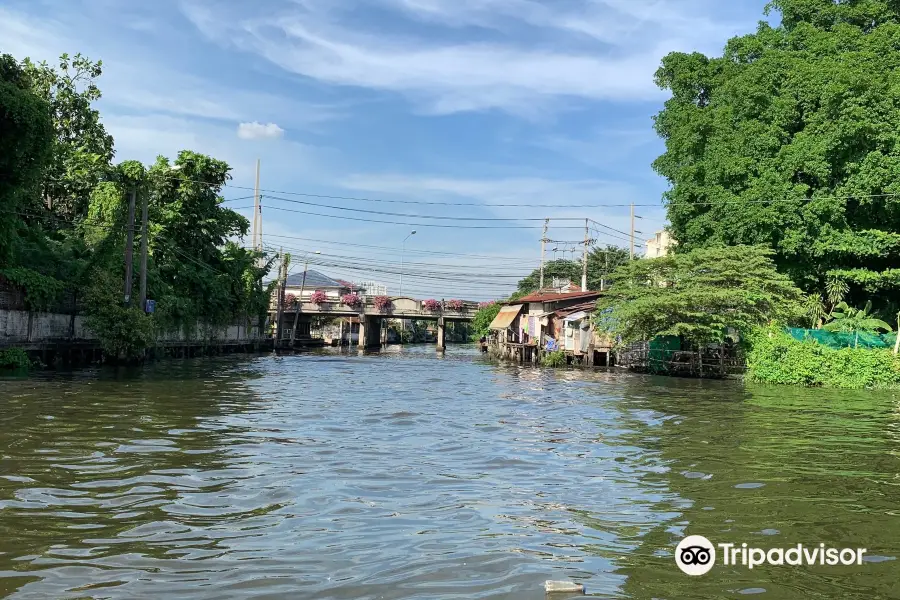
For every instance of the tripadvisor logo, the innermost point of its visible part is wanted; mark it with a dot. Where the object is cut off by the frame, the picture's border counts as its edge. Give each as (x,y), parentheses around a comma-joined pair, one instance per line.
(696,555)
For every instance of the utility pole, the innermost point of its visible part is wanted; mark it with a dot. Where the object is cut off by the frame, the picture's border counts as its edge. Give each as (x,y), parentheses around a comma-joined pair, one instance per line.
(144,250)
(543,249)
(129,247)
(256,242)
(584,258)
(285,261)
(632,230)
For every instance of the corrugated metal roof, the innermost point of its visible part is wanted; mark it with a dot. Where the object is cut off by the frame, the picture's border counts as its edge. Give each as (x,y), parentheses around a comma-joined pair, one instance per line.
(553,296)
(314,280)
(506,316)
(584,306)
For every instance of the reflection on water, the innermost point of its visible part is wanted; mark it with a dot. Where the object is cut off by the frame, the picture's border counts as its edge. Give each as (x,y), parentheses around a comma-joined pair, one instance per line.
(414,475)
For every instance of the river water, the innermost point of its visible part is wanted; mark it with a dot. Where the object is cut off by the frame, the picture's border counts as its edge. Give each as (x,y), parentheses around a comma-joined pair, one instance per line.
(407,474)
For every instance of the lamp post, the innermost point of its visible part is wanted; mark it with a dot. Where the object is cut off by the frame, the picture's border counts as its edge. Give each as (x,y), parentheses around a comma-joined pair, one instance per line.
(300,298)
(402,250)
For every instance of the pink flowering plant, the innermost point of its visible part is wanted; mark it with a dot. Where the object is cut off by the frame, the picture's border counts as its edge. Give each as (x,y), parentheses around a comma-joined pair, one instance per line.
(456,305)
(485,304)
(318,297)
(431,305)
(290,299)
(351,300)
(383,303)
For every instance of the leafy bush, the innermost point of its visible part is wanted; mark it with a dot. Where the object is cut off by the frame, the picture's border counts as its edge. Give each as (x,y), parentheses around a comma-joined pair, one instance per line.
(14,359)
(41,291)
(555,359)
(776,357)
(481,324)
(124,332)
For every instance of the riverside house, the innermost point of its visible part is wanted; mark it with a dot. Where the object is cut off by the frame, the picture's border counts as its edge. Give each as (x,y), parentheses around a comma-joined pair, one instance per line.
(526,329)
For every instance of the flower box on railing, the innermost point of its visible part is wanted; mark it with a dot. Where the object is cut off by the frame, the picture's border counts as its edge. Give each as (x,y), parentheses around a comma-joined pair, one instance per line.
(383,303)
(431,305)
(318,298)
(456,305)
(351,300)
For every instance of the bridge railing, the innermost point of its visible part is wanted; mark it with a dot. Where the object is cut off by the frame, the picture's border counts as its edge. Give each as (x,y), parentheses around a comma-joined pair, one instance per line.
(368,306)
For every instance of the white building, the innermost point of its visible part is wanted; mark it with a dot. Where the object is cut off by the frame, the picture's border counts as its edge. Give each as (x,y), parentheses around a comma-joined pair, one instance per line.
(658,245)
(373,288)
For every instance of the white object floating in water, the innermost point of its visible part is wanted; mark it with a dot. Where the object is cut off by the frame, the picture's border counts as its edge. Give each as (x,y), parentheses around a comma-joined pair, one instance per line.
(564,587)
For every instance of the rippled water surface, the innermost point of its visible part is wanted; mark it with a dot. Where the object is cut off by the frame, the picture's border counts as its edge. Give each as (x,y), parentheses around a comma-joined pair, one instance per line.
(411,475)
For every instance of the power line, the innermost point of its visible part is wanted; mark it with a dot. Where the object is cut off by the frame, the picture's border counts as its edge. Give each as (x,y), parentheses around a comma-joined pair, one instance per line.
(413,216)
(303,212)
(502,205)
(408,251)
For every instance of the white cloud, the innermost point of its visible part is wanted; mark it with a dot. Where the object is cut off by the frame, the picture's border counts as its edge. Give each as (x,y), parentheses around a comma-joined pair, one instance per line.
(535,59)
(258,131)
(134,82)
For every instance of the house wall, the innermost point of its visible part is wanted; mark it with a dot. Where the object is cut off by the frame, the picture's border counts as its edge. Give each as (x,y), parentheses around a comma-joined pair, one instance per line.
(330,293)
(658,245)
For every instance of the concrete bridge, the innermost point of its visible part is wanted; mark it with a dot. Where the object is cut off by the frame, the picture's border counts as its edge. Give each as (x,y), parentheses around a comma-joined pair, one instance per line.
(370,316)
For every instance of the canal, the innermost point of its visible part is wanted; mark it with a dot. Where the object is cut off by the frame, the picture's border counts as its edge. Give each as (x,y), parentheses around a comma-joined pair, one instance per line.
(407,475)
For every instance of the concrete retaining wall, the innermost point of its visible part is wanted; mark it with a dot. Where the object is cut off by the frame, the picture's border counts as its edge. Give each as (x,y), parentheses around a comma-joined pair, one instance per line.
(23,328)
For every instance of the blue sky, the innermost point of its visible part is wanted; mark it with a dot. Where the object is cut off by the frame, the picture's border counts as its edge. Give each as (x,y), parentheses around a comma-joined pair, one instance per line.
(465,101)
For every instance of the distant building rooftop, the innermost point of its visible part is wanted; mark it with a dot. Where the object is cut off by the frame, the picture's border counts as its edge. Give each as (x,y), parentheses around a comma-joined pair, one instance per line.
(314,280)
(545,296)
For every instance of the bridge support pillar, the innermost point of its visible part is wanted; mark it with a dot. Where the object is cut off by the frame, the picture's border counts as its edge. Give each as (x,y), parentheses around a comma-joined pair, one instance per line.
(441,338)
(369,332)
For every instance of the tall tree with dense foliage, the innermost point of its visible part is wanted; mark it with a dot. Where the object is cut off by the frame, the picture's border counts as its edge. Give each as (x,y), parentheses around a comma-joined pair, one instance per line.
(83,149)
(790,140)
(699,295)
(26,138)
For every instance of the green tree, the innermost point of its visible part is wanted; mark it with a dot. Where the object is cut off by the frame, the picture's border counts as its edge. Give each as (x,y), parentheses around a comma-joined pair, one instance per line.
(698,295)
(481,322)
(26,141)
(602,262)
(560,268)
(790,140)
(83,149)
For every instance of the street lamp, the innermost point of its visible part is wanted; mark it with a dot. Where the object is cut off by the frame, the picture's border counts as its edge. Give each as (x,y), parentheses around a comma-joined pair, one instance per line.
(402,250)
(300,298)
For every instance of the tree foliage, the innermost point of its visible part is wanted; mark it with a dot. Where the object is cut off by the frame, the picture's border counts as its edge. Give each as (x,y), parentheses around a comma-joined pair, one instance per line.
(846,319)
(602,262)
(26,137)
(63,210)
(790,140)
(481,323)
(82,149)
(698,295)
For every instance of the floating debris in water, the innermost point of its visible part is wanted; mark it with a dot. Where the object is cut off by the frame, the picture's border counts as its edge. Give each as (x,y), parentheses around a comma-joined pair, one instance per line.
(563,587)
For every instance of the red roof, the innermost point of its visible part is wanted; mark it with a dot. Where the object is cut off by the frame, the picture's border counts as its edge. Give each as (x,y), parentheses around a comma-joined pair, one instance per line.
(556,296)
